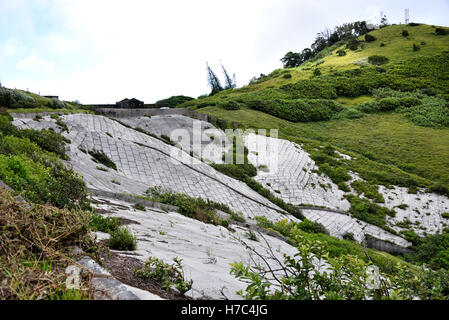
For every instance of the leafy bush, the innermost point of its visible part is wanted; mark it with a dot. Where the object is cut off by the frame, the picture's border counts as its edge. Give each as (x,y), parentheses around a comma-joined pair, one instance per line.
(433,251)
(432,112)
(353,44)
(298,110)
(230,105)
(54,184)
(196,208)
(317,72)
(370,38)
(341,53)
(312,227)
(100,157)
(309,89)
(416,47)
(377,60)
(440,188)
(405,33)
(169,275)
(441,31)
(336,174)
(348,113)
(174,101)
(346,278)
(369,212)
(100,223)
(122,239)
(370,191)
(388,104)
(11,98)
(48,140)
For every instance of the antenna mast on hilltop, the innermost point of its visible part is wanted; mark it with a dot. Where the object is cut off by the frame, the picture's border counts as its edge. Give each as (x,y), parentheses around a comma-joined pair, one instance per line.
(407,16)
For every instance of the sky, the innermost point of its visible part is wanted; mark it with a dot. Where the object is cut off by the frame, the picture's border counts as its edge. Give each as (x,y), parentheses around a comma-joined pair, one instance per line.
(102,51)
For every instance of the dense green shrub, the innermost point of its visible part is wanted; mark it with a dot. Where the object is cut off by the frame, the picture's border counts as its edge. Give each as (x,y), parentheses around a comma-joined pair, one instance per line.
(309,89)
(405,33)
(122,239)
(440,187)
(369,212)
(346,278)
(388,104)
(377,60)
(416,47)
(433,251)
(100,157)
(336,174)
(317,72)
(370,191)
(370,38)
(230,105)
(11,98)
(341,53)
(168,275)
(353,44)
(174,101)
(196,208)
(348,113)
(298,110)
(312,227)
(48,140)
(432,112)
(32,170)
(51,183)
(441,31)
(368,107)
(104,224)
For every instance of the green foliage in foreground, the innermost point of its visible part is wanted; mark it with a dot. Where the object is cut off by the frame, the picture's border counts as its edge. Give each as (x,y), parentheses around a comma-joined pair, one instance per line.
(302,277)
(433,250)
(47,140)
(169,275)
(335,246)
(40,176)
(35,249)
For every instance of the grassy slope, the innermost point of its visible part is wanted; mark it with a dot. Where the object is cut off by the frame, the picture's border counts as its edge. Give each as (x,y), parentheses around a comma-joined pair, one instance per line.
(388,138)
(44,104)
(397,48)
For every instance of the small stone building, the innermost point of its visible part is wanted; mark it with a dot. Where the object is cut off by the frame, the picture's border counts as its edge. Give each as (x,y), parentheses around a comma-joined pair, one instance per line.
(130,104)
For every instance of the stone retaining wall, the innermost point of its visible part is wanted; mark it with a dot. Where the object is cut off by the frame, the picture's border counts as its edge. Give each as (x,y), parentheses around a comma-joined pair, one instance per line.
(386,246)
(122,113)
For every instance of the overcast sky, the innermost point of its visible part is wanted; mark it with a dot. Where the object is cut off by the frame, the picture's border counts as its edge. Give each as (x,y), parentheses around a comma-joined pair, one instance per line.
(101,51)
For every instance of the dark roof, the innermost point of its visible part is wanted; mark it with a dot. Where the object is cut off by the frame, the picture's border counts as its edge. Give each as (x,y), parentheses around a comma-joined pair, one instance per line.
(126,100)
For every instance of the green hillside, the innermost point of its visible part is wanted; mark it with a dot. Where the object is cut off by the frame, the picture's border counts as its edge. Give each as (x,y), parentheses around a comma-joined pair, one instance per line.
(391,113)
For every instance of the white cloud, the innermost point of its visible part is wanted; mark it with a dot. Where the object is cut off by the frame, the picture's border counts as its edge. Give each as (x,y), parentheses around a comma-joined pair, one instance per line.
(11,47)
(59,44)
(372,13)
(33,63)
(105,50)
